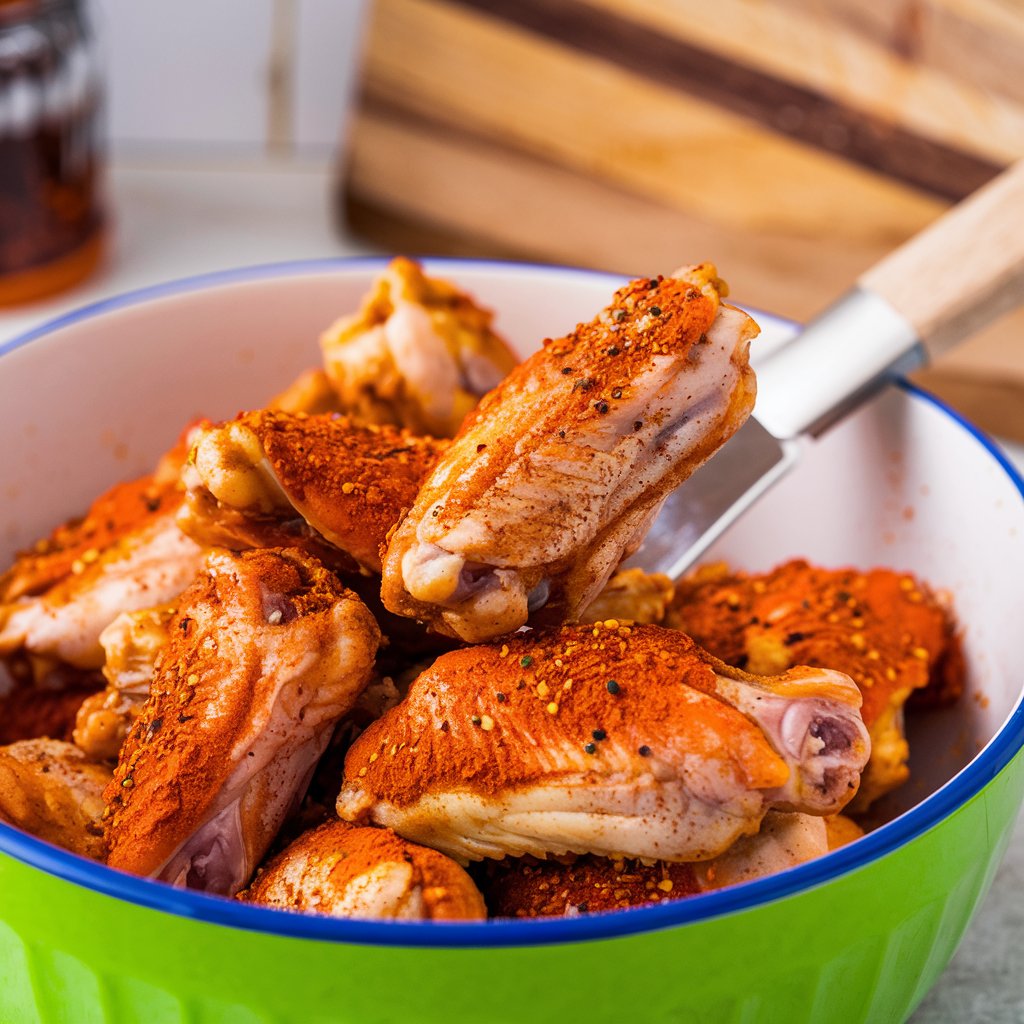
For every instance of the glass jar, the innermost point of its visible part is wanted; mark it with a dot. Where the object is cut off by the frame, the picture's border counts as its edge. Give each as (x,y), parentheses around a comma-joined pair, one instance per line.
(51,222)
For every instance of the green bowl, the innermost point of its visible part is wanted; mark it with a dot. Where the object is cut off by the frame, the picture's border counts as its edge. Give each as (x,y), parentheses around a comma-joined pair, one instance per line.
(860,934)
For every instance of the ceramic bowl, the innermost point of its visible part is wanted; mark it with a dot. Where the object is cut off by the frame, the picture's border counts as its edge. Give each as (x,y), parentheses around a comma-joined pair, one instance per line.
(861,934)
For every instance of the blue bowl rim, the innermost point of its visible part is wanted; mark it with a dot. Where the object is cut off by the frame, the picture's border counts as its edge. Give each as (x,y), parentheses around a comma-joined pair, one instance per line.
(964,786)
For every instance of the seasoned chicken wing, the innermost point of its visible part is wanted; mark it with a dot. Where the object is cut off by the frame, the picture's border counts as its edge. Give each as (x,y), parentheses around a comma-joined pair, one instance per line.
(50,789)
(419,353)
(149,565)
(884,629)
(561,470)
(527,887)
(266,652)
(125,554)
(324,482)
(615,740)
(343,871)
(311,392)
(131,644)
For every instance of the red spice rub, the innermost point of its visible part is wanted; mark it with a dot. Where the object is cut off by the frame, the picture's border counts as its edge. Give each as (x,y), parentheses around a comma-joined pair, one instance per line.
(597,365)
(246,623)
(350,481)
(528,887)
(28,711)
(884,629)
(346,871)
(489,718)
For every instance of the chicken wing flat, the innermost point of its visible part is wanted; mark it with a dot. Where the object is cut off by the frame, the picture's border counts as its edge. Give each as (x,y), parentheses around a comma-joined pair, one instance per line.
(125,554)
(267,651)
(561,470)
(150,565)
(615,740)
(50,789)
(419,353)
(131,644)
(527,887)
(287,479)
(884,629)
(343,871)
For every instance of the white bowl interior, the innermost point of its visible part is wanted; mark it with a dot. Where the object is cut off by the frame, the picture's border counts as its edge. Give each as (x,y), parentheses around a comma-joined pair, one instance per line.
(899,484)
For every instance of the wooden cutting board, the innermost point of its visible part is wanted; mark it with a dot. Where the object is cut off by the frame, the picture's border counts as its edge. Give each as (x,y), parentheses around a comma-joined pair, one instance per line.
(792,142)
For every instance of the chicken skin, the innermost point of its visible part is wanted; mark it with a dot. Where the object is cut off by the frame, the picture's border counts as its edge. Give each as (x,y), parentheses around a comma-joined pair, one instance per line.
(527,887)
(266,652)
(325,483)
(343,871)
(150,565)
(883,629)
(52,790)
(561,470)
(131,644)
(419,354)
(615,740)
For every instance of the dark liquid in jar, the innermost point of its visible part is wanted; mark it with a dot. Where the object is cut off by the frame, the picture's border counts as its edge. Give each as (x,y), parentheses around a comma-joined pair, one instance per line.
(49,152)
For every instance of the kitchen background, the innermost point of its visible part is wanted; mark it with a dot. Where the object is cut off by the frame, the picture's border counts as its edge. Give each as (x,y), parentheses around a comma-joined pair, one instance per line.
(792,141)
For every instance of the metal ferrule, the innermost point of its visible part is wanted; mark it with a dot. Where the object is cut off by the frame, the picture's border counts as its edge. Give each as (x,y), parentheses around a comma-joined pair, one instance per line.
(843,355)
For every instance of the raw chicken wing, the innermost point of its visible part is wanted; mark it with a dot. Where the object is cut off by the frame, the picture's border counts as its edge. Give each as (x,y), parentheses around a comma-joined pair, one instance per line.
(267,651)
(561,470)
(343,871)
(418,354)
(322,482)
(131,644)
(615,740)
(884,629)
(52,790)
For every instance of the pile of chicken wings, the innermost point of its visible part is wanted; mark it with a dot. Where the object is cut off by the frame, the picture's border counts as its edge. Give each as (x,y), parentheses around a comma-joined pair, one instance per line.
(370,652)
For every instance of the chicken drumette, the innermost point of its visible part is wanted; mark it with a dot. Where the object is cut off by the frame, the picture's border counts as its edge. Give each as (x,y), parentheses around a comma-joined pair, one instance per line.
(326,483)
(561,470)
(419,354)
(266,652)
(613,739)
(886,630)
(344,871)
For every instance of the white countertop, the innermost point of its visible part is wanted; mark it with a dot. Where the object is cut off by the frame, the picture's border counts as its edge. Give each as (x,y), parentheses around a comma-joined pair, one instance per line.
(178,221)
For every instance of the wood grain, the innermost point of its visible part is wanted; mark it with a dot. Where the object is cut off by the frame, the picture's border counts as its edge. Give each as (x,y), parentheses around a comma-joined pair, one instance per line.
(945,69)
(490,134)
(964,270)
(601,120)
(794,111)
(448,184)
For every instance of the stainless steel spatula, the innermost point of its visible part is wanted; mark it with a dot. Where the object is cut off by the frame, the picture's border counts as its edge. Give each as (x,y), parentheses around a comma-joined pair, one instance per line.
(935,290)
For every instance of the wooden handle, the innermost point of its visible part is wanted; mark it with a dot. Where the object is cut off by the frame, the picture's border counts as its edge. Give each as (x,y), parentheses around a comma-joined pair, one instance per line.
(962,271)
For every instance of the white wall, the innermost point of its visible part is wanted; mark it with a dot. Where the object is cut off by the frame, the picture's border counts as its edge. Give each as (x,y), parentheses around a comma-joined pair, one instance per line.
(229,77)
